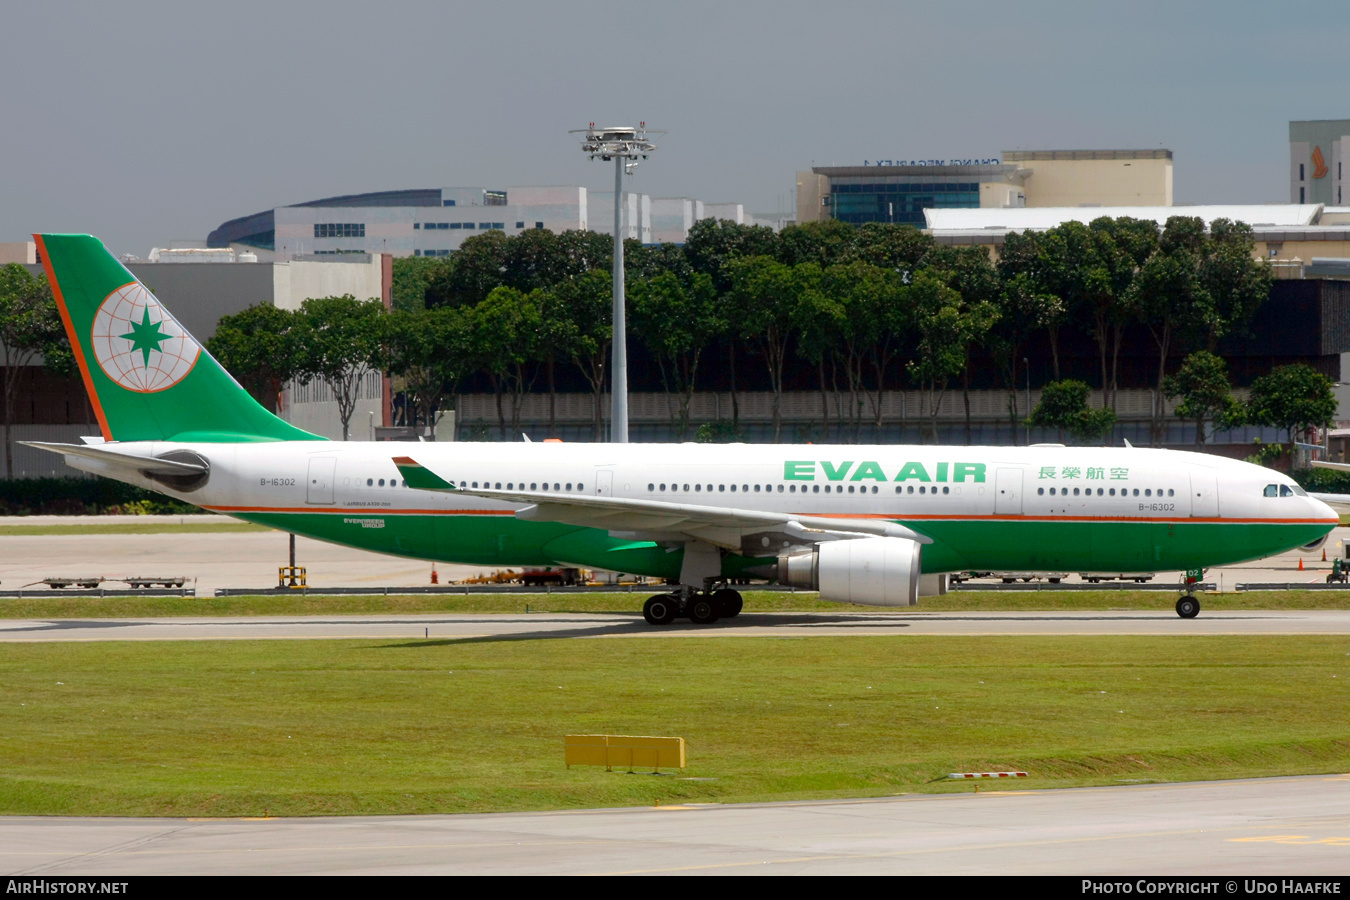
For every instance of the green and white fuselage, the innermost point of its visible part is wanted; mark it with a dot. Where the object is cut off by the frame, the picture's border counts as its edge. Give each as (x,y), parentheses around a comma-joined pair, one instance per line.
(1125,510)
(855,520)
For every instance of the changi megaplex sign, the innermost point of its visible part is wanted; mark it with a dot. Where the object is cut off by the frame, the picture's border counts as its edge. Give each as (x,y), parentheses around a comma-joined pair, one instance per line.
(993,161)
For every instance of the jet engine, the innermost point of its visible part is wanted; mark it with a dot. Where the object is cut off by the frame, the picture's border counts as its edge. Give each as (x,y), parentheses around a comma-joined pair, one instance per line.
(879,571)
(1308,548)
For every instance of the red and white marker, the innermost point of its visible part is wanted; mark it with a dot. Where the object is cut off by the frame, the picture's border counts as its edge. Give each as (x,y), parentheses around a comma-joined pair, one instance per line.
(987,775)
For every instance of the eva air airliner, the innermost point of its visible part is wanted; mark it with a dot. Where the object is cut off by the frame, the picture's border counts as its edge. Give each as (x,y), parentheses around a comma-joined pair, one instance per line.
(875,525)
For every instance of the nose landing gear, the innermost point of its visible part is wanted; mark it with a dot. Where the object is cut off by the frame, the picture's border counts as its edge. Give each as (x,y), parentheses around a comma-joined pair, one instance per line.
(1188,607)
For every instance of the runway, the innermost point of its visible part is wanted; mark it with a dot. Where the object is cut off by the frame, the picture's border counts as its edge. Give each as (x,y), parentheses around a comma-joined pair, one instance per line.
(250,560)
(1274,826)
(542,626)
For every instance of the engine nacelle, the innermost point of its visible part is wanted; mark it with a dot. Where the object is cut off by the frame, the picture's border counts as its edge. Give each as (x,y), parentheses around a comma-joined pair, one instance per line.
(879,571)
(1308,548)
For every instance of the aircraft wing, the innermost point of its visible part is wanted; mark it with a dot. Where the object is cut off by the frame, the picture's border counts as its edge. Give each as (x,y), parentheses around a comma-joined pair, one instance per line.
(730,527)
(123,461)
(1338,502)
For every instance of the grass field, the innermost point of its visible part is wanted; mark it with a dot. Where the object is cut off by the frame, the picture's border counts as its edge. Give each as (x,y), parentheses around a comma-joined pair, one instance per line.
(53,605)
(376,727)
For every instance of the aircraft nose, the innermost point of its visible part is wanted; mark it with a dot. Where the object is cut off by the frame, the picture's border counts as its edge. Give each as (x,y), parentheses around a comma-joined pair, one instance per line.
(1322,511)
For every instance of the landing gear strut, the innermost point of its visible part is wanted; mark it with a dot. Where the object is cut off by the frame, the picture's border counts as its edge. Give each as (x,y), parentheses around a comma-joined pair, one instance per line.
(1188,607)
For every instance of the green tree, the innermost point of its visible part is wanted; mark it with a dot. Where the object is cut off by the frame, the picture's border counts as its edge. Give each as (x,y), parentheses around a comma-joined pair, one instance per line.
(823,243)
(342,340)
(944,325)
(263,348)
(1023,262)
(764,298)
(412,276)
(29,326)
(1235,280)
(1064,407)
(677,322)
(1168,296)
(505,329)
(1202,384)
(1296,398)
(466,277)
(586,332)
(899,248)
(1122,246)
(429,352)
(1023,311)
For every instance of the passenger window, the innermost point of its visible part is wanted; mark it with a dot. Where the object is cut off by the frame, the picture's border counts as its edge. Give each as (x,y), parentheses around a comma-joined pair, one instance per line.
(370,482)
(1272,490)
(1040,491)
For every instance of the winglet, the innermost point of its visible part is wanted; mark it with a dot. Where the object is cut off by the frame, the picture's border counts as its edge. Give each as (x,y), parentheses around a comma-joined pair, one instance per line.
(421,477)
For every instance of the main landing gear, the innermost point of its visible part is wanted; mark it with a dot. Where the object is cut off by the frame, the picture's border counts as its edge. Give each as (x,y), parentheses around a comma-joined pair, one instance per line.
(702,607)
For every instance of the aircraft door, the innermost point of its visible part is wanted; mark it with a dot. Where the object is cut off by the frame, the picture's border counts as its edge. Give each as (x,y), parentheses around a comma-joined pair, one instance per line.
(1008,496)
(320,486)
(604,483)
(1204,495)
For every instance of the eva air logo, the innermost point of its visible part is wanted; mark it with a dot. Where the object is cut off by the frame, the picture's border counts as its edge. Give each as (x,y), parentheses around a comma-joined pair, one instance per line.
(138,344)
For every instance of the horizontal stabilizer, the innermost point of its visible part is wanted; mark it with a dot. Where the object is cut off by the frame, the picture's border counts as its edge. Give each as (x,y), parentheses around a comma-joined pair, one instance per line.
(146,464)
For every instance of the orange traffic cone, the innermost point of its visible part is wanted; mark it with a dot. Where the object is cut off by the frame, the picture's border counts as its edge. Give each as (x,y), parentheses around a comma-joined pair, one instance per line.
(436,580)
(1300,564)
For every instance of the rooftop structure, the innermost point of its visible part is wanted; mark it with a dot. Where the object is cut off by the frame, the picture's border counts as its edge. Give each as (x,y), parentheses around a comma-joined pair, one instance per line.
(901,191)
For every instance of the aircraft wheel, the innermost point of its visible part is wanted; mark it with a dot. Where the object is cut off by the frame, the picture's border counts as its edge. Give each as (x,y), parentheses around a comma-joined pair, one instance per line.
(1188,607)
(728,603)
(659,610)
(702,610)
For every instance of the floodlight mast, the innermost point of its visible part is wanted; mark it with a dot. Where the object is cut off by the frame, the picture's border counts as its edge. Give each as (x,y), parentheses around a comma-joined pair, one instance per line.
(625,146)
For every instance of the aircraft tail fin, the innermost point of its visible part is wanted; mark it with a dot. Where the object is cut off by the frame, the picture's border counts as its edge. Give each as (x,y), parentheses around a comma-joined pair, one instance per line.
(148,379)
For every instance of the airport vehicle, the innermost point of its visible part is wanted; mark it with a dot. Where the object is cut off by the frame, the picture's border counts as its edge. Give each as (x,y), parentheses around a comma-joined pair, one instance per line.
(1099,577)
(864,524)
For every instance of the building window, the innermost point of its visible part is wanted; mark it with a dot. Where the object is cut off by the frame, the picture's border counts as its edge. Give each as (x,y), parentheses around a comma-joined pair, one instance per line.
(1300,195)
(447,203)
(484,226)
(500,226)
(417,253)
(416,225)
(494,198)
(468,226)
(538,224)
(339,229)
(1300,171)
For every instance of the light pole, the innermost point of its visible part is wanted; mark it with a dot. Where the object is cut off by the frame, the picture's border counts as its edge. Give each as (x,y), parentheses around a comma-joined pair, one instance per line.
(625,146)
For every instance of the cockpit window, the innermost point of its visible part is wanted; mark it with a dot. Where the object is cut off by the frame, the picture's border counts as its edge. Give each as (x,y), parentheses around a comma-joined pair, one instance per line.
(1300,491)
(1286,491)
(1272,490)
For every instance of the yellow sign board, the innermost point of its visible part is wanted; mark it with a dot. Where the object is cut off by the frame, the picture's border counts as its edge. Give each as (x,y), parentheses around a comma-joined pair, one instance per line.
(625,751)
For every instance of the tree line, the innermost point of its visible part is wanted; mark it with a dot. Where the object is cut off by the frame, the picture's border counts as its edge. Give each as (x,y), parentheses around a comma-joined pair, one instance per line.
(863,309)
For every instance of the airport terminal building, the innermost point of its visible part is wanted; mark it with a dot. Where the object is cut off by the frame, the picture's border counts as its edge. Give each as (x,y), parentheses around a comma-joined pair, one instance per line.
(899,191)
(434,222)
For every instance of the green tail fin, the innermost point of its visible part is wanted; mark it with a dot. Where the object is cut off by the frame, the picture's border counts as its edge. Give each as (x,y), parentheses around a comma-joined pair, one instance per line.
(148,379)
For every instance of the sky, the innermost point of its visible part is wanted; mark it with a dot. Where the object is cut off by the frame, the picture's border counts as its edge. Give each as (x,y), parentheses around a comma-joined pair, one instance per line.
(145,123)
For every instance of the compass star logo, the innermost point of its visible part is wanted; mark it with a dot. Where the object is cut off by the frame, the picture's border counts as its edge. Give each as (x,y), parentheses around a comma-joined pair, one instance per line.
(138,344)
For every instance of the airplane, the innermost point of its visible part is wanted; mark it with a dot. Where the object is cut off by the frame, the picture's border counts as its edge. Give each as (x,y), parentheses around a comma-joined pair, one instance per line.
(876,525)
